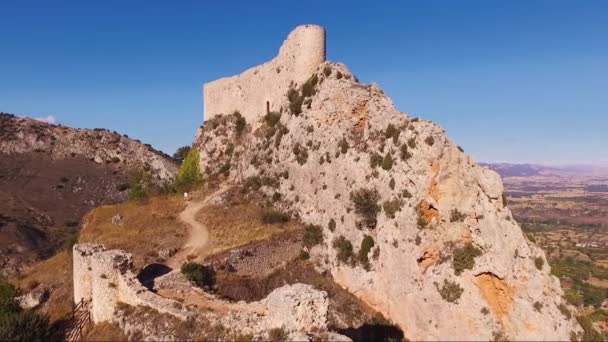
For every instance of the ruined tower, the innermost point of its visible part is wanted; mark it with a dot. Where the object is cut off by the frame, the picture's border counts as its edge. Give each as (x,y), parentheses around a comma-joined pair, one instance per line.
(262,88)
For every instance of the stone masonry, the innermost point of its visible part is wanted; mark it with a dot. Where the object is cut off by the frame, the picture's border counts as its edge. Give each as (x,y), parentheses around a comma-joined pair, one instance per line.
(262,88)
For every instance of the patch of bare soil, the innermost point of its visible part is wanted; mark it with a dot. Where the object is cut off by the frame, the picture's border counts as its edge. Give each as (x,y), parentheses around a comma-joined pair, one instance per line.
(43,201)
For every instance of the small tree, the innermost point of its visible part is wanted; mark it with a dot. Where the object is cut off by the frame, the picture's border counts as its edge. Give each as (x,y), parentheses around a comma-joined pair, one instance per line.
(313,235)
(140,185)
(181,154)
(189,173)
(202,276)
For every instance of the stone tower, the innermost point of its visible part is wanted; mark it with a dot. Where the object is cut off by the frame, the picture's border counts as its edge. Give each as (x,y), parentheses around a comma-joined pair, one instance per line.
(262,88)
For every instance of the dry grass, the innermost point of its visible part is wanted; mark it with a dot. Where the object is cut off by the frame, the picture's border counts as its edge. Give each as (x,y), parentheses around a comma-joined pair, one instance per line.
(55,273)
(237,225)
(104,332)
(147,227)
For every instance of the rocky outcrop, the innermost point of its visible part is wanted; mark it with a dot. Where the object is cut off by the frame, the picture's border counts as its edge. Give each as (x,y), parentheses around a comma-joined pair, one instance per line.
(410,223)
(22,135)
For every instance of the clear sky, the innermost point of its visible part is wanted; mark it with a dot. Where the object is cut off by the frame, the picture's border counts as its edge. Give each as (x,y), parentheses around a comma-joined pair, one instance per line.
(514,81)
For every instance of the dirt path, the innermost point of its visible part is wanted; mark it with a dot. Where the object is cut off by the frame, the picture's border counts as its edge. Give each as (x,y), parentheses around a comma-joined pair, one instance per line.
(198,236)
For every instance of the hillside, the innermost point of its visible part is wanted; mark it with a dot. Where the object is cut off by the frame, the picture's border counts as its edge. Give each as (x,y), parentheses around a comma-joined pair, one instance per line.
(410,224)
(51,175)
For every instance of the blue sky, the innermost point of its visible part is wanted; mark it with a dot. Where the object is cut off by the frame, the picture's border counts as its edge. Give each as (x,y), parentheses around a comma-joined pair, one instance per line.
(515,81)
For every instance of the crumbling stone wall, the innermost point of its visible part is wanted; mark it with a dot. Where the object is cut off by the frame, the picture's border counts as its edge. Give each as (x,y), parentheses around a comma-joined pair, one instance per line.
(104,278)
(265,86)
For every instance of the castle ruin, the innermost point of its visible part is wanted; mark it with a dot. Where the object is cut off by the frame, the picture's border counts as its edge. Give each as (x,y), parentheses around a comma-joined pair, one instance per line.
(261,89)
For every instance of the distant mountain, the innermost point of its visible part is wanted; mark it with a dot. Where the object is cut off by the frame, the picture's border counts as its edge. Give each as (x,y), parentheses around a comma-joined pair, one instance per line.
(529,170)
(51,175)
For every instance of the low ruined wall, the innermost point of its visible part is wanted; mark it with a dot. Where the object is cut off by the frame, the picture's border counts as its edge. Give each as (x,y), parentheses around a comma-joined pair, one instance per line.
(104,278)
(266,85)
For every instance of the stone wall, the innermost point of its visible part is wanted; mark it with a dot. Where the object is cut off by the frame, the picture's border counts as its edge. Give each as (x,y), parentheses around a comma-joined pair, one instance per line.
(104,278)
(265,86)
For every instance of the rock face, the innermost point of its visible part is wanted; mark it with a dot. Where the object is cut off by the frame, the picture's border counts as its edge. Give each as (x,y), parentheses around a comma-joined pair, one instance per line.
(410,223)
(297,307)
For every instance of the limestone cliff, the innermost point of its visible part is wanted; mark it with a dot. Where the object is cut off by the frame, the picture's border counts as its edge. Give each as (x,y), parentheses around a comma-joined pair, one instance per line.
(410,223)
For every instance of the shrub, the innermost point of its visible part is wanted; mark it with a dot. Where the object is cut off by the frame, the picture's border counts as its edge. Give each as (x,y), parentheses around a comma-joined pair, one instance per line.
(366,245)
(396,137)
(343,145)
(456,216)
(504,200)
(272,216)
(538,306)
(485,310)
(327,70)
(391,184)
(429,140)
(338,75)
(344,248)
(313,235)
(564,310)
(122,186)
(308,88)
(366,205)
(411,142)
(390,131)
(375,160)
(181,154)
(404,153)
(589,332)
(406,194)
(251,183)
(450,291)
(460,149)
(387,162)
(240,123)
(189,172)
(331,225)
(301,154)
(17,324)
(539,262)
(139,185)
(295,101)
(277,334)
(464,258)
(202,276)
(391,207)
(272,118)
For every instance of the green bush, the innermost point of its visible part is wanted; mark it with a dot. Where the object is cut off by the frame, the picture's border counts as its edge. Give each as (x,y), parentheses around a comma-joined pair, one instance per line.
(272,118)
(17,324)
(464,258)
(564,310)
(181,154)
(539,262)
(589,332)
(240,123)
(189,173)
(366,245)
(202,276)
(390,131)
(272,216)
(450,291)
(332,225)
(140,185)
(387,162)
(344,248)
(343,145)
(391,207)
(366,205)
(375,160)
(277,334)
(313,235)
(404,153)
(456,216)
(295,101)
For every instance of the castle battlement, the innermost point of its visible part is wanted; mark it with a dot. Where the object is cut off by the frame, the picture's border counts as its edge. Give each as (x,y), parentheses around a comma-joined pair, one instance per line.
(262,89)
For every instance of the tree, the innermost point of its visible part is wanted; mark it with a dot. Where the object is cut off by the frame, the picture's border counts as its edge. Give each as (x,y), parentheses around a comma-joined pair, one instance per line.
(181,154)
(189,173)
